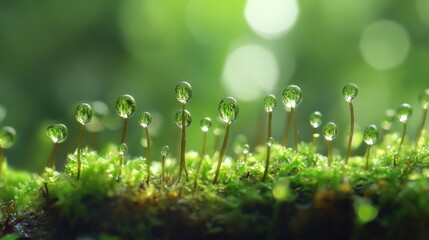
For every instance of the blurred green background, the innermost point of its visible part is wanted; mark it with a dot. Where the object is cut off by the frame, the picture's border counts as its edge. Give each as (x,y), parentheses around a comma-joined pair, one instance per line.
(56,54)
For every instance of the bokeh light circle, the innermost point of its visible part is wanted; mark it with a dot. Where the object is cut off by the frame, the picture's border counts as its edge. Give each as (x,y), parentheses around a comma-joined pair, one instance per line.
(384,44)
(271,18)
(250,71)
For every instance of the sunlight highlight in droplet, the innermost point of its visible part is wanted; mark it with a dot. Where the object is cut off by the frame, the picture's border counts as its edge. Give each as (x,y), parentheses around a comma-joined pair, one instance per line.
(250,72)
(271,18)
(384,44)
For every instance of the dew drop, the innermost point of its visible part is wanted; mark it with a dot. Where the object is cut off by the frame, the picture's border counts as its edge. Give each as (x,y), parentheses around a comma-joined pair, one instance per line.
(228,110)
(188,118)
(206,124)
(270,103)
(292,96)
(246,149)
(424,99)
(125,106)
(388,119)
(57,133)
(315,119)
(350,92)
(145,119)
(7,137)
(183,92)
(83,113)
(330,131)
(404,112)
(370,135)
(270,141)
(165,150)
(122,149)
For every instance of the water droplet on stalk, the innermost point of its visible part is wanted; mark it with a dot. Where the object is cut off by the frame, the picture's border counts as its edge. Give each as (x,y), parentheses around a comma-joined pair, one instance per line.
(188,118)
(183,92)
(316,119)
(350,92)
(125,106)
(404,112)
(122,149)
(206,124)
(330,131)
(57,133)
(145,119)
(270,103)
(228,109)
(83,113)
(270,141)
(370,135)
(7,137)
(165,150)
(292,96)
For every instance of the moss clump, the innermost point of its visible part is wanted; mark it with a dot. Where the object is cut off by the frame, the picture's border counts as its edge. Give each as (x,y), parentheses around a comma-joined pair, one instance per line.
(303,198)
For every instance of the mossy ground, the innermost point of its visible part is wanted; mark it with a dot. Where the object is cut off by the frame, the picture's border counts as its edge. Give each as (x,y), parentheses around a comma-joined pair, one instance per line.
(303,198)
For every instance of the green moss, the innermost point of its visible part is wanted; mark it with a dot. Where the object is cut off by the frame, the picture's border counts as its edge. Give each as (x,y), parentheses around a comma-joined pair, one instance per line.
(301,193)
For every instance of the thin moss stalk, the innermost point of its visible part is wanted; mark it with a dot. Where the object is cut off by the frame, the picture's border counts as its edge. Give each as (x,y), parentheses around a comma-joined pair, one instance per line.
(51,159)
(352,126)
(421,126)
(287,129)
(124,130)
(269,134)
(329,153)
(148,160)
(79,151)
(295,129)
(368,150)
(222,152)
(183,146)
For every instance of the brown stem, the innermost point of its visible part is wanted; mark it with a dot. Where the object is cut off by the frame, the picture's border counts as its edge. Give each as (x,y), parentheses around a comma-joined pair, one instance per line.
(121,160)
(295,129)
(148,160)
(421,126)
(183,147)
(329,153)
(267,163)
(222,152)
(203,152)
(51,159)
(287,130)
(352,123)
(314,137)
(270,124)
(404,132)
(79,151)
(163,168)
(368,150)
(124,130)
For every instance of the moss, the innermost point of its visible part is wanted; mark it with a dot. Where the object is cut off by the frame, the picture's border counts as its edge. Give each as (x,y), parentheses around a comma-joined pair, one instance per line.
(303,198)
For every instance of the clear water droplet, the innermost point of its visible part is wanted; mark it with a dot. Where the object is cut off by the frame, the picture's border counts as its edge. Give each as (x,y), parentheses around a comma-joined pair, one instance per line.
(316,119)
(188,118)
(330,131)
(165,150)
(292,96)
(424,99)
(83,113)
(370,135)
(270,141)
(270,103)
(57,133)
(206,124)
(404,112)
(183,92)
(388,119)
(246,149)
(125,106)
(228,110)
(350,92)
(122,149)
(7,137)
(145,119)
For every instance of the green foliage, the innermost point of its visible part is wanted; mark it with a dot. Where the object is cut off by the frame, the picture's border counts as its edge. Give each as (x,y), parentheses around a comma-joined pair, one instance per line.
(239,203)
